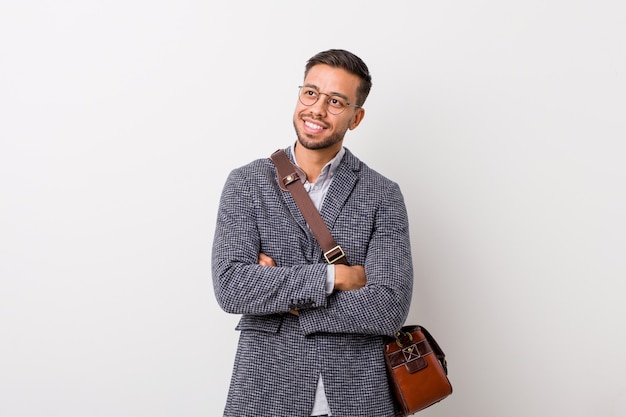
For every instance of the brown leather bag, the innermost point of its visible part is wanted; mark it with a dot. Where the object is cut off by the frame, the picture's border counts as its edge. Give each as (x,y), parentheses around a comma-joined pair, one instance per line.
(417,369)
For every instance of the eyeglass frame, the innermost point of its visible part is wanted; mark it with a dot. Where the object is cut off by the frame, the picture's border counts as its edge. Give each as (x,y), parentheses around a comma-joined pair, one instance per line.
(348,104)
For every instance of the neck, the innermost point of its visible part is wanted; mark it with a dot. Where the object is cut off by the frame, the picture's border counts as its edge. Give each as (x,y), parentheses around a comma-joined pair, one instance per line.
(311,161)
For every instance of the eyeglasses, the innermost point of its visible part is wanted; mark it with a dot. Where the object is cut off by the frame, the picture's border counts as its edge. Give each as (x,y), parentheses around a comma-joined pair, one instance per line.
(336,104)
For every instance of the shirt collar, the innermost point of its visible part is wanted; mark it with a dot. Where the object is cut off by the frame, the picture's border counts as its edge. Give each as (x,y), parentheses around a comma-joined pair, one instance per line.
(328,171)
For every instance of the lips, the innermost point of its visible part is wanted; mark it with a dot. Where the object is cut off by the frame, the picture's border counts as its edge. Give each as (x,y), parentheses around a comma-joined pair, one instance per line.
(313,127)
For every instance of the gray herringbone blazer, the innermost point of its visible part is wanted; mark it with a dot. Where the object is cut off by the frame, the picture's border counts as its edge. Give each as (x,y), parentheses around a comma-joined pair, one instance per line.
(280,356)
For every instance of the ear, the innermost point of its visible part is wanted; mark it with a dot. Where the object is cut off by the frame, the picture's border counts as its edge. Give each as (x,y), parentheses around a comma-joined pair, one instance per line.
(356,119)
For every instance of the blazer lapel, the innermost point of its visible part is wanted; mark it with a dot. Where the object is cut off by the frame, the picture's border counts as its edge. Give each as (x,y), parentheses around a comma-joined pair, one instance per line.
(343,183)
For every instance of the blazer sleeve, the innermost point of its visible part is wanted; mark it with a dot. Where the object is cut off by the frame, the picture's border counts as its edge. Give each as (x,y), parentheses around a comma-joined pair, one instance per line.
(241,285)
(382,306)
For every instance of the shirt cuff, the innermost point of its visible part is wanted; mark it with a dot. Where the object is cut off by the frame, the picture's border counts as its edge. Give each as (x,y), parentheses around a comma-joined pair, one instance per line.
(330,279)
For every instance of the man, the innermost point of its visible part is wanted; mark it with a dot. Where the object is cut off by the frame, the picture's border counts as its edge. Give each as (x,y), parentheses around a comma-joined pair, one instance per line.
(311,334)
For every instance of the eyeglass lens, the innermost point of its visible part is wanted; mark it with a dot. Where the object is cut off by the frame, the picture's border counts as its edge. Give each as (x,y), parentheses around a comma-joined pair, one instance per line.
(309,96)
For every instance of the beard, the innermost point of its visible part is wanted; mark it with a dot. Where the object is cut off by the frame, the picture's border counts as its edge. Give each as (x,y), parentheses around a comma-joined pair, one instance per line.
(310,142)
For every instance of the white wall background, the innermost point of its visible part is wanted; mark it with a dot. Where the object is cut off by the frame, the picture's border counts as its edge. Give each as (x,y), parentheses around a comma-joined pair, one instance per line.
(502,121)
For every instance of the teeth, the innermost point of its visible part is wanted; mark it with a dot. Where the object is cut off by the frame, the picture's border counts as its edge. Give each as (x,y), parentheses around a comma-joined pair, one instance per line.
(313,125)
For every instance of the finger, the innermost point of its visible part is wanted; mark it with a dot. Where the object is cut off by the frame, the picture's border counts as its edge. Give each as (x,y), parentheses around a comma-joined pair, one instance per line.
(266,260)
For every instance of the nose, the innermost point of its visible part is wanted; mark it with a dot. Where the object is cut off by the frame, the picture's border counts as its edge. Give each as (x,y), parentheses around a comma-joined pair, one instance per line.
(320,106)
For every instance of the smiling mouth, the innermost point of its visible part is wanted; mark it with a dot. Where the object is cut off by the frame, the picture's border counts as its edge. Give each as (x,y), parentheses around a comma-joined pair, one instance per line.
(313,126)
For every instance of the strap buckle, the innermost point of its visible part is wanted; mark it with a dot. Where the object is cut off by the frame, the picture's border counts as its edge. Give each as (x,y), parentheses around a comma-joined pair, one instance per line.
(293,177)
(401,335)
(334,254)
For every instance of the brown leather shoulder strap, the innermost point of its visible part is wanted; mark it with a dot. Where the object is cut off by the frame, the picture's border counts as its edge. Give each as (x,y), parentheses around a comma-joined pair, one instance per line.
(290,179)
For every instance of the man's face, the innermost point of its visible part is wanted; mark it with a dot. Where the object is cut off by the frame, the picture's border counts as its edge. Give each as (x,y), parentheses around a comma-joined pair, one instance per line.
(316,127)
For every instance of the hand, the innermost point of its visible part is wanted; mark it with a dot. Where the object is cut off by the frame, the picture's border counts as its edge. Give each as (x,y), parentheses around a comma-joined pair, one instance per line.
(349,278)
(266,260)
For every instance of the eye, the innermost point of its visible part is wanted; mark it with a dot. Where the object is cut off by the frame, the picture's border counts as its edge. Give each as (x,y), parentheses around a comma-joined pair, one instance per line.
(310,92)
(336,101)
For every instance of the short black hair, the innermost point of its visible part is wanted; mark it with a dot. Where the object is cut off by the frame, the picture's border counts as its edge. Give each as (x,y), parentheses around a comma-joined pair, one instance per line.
(343,59)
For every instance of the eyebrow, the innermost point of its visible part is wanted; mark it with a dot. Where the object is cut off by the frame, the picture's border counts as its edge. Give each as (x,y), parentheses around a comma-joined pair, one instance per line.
(332,93)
